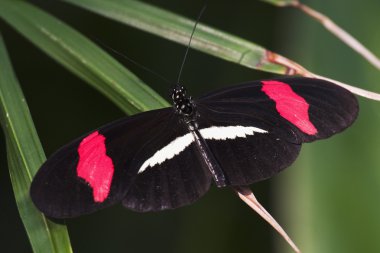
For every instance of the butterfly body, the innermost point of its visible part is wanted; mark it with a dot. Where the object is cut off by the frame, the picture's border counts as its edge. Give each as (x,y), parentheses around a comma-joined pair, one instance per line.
(168,158)
(186,110)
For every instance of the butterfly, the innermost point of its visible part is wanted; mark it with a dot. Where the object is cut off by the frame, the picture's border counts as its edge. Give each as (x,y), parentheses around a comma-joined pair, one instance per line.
(168,158)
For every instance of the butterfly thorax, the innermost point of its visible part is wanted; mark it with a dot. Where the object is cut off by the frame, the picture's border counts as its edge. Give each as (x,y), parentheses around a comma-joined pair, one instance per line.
(182,103)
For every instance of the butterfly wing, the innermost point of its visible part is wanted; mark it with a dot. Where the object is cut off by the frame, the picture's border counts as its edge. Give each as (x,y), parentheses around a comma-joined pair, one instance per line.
(316,108)
(96,171)
(248,148)
(288,111)
(171,176)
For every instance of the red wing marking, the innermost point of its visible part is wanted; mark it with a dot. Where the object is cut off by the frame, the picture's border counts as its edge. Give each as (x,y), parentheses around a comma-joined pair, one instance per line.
(290,105)
(94,166)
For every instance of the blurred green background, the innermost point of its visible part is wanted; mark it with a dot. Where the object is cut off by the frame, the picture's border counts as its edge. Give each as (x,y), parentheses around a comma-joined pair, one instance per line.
(327,201)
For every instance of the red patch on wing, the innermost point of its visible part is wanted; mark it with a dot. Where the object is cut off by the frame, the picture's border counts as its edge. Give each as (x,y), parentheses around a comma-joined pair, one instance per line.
(290,105)
(94,166)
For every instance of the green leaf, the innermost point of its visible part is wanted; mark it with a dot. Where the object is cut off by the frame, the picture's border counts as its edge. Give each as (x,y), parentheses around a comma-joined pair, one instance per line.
(81,56)
(178,29)
(25,155)
(282,2)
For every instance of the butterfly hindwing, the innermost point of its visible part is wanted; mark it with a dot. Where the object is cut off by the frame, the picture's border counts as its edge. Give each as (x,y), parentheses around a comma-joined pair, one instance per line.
(97,169)
(171,175)
(248,149)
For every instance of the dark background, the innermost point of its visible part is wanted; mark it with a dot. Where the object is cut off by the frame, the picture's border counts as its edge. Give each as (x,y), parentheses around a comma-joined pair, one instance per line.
(327,201)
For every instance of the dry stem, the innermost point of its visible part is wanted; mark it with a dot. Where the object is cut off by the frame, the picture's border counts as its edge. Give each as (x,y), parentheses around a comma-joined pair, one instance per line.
(296,69)
(249,198)
(344,36)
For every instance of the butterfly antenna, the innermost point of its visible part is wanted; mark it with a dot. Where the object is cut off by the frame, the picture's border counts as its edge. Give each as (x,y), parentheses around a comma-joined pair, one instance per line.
(191,37)
(135,62)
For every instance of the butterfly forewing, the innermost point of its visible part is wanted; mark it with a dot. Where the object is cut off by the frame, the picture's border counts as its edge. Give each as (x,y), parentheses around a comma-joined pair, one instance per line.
(316,108)
(97,169)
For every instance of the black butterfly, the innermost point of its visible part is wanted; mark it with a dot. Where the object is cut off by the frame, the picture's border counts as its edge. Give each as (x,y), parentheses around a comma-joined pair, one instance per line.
(167,158)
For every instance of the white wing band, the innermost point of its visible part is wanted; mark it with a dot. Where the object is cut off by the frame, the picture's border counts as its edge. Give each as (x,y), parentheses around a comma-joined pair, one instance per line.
(211,133)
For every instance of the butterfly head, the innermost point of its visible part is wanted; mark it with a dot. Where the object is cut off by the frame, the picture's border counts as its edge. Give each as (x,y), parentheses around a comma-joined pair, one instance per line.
(182,104)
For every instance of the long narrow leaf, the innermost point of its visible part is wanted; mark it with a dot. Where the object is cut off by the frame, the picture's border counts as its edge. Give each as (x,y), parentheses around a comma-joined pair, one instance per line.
(178,29)
(81,56)
(25,155)
(282,2)
(206,39)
